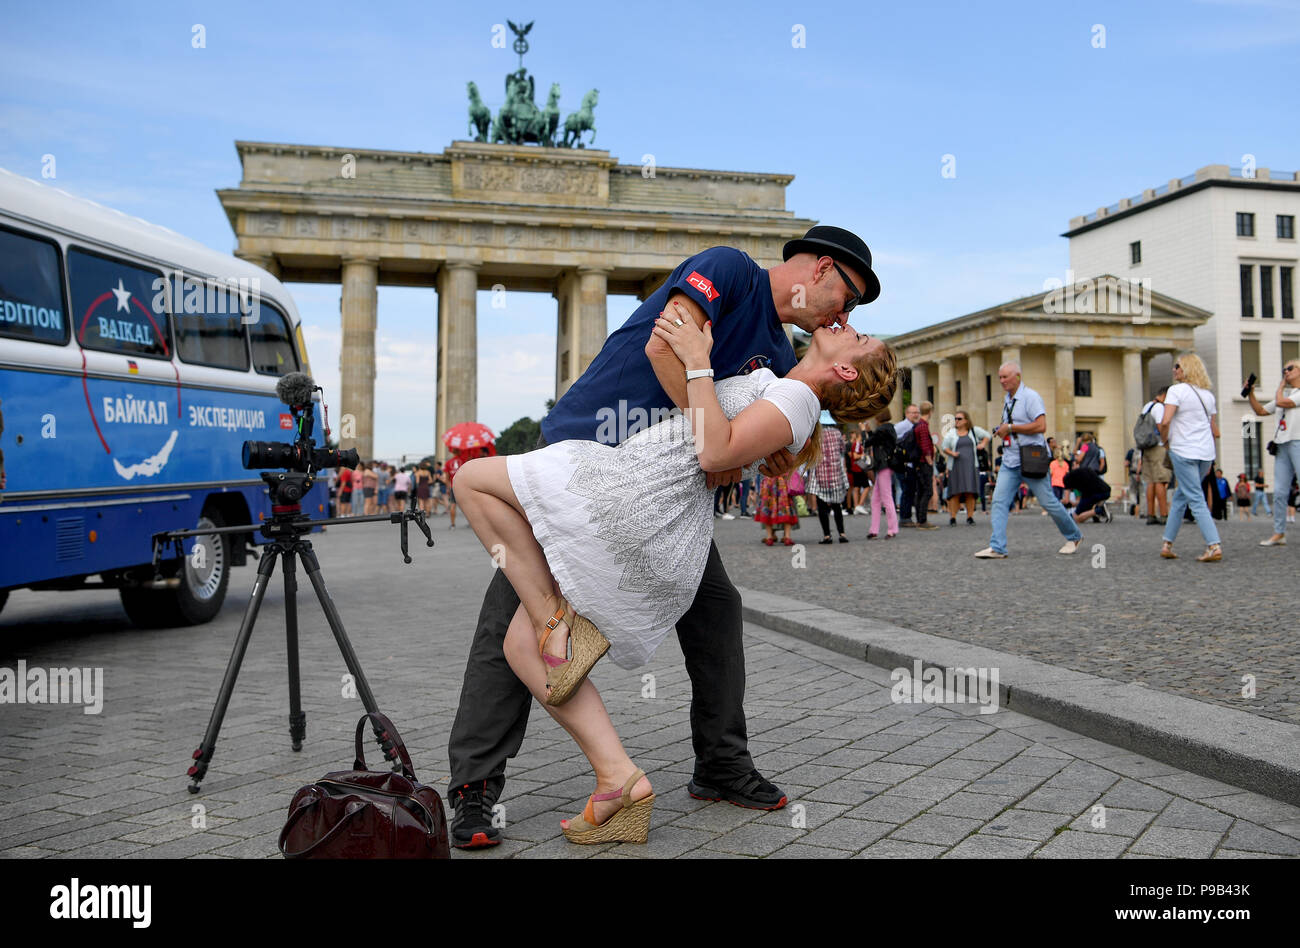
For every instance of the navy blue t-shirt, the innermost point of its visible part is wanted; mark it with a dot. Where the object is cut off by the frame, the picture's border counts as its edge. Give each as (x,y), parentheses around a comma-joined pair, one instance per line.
(619,393)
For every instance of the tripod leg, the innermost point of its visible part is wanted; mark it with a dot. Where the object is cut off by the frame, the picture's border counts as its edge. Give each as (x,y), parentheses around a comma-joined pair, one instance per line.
(203,756)
(312,567)
(297,718)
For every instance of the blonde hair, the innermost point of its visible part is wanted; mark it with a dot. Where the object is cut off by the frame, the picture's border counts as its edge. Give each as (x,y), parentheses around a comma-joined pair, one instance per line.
(857,400)
(1194,370)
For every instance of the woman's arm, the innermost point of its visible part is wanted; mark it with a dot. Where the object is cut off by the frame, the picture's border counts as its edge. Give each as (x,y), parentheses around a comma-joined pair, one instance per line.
(721,443)
(1165,419)
(1214,425)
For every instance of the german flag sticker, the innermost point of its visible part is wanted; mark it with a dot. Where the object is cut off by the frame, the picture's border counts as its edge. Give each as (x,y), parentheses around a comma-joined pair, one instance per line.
(132,367)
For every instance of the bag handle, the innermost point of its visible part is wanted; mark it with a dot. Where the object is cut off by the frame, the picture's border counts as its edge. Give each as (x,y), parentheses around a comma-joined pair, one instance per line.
(353,809)
(388,732)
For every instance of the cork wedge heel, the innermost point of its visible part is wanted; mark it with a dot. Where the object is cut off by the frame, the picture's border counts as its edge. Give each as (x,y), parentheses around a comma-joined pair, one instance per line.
(586,644)
(629,824)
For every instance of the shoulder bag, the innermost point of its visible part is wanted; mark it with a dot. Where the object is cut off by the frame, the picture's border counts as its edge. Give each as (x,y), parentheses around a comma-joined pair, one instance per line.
(366,814)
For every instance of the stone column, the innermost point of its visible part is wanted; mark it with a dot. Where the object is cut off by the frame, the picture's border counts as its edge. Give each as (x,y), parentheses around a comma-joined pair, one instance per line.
(1010,354)
(592,315)
(1133,394)
(976,403)
(945,395)
(1063,427)
(919,383)
(896,403)
(457,345)
(357,355)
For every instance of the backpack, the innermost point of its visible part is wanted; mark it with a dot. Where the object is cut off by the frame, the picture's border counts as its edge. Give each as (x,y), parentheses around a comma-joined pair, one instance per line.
(1091,460)
(1145,433)
(906,451)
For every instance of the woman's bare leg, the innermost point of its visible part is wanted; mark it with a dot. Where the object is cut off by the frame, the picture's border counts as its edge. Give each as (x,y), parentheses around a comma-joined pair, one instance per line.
(583,716)
(497,518)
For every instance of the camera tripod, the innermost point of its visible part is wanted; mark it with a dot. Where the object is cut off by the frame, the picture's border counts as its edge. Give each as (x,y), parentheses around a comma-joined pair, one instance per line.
(286,529)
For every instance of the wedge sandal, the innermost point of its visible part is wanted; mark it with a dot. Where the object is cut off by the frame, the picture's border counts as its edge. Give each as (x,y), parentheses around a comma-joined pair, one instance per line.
(630,823)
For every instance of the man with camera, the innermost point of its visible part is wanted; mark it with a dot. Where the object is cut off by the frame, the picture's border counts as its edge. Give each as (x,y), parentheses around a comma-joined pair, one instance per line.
(1284,446)
(825,275)
(1024,460)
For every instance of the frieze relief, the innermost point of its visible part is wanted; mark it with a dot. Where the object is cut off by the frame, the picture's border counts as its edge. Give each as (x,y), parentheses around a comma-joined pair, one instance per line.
(535,179)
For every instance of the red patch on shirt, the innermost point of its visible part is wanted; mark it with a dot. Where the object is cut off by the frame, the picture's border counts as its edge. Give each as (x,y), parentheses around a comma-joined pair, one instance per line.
(703,285)
(286,421)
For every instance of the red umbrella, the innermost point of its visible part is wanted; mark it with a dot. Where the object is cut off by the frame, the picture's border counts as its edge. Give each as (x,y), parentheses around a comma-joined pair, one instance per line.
(468,436)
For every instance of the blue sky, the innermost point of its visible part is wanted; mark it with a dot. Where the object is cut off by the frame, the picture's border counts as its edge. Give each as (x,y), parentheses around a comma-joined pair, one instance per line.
(1043,125)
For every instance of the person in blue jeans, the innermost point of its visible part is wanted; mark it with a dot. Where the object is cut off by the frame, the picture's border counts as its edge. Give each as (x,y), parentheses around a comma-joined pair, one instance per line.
(1190,426)
(1024,420)
(1286,464)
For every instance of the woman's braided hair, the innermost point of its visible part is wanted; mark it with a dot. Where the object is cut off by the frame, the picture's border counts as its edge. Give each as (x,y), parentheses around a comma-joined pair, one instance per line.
(863,398)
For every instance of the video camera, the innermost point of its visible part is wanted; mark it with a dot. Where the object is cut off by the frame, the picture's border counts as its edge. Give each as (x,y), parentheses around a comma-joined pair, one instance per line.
(301,455)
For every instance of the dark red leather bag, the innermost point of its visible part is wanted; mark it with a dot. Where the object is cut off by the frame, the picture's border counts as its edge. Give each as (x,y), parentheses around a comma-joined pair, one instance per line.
(366,814)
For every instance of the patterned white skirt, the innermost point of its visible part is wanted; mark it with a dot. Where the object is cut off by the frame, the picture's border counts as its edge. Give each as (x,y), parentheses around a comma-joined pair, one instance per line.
(626,530)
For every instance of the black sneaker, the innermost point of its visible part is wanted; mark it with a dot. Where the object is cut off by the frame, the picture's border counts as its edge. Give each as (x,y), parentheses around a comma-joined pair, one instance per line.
(1103,514)
(471,827)
(751,791)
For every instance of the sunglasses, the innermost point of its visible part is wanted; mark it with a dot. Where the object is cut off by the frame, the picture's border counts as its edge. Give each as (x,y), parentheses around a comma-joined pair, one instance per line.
(857,296)
(1288,368)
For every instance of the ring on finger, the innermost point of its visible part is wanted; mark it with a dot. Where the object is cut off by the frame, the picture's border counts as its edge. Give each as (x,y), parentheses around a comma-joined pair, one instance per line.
(677,322)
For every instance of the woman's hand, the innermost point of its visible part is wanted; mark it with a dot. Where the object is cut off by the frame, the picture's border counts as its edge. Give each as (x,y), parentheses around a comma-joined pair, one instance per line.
(677,328)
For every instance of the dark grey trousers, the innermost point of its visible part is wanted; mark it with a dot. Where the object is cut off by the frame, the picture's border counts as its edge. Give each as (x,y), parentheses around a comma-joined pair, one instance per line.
(494,704)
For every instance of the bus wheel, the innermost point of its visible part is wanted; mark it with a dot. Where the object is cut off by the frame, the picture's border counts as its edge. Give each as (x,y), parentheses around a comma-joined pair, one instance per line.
(202,590)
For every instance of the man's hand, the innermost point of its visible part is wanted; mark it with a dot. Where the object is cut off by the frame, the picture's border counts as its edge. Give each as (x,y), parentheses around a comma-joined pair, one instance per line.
(716,479)
(778,464)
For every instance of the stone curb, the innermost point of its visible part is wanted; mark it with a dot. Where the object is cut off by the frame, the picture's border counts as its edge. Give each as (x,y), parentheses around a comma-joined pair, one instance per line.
(1234,747)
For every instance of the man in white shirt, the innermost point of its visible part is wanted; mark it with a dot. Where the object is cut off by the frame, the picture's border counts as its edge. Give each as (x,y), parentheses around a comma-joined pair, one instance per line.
(1024,419)
(1287,462)
(1154,473)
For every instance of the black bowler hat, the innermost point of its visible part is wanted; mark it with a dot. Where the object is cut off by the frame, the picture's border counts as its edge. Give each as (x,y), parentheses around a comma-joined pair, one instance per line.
(842,246)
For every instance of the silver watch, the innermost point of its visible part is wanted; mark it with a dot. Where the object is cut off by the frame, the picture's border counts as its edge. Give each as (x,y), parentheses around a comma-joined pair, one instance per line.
(698,374)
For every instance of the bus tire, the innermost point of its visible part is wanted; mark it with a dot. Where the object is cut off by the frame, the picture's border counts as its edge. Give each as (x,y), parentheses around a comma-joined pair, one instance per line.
(199,596)
(4,597)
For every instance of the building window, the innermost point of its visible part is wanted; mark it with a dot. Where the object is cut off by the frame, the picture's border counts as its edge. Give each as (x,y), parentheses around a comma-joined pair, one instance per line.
(929,394)
(1245,225)
(1135,252)
(1286,226)
(1290,350)
(1250,358)
(1266,292)
(1247,290)
(959,391)
(1250,447)
(1082,383)
(1288,294)
(988,388)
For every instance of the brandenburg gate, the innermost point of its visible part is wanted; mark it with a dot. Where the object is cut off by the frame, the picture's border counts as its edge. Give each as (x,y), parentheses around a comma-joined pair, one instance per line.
(570,221)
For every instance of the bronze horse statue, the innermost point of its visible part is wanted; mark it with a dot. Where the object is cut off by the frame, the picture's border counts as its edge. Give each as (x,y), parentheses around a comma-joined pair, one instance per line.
(581,121)
(480,116)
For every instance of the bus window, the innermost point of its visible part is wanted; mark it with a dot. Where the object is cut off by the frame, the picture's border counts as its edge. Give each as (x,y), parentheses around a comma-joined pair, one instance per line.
(118,306)
(272,345)
(31,289)
(208,326)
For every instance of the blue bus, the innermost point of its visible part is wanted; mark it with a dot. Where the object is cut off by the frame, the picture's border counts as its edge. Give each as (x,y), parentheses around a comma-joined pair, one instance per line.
(134,363)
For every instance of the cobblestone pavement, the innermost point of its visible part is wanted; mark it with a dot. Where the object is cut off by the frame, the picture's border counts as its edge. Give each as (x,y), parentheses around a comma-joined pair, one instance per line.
(1189,628)
(866,777)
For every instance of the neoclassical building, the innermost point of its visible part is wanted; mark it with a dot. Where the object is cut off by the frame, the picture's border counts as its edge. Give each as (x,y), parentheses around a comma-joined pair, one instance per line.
(1087,349)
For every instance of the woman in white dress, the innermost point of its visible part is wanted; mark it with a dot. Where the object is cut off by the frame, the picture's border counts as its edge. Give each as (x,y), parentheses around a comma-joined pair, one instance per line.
(615,538)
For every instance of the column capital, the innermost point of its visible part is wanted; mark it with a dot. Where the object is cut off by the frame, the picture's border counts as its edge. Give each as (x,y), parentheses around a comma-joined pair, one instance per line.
(945,360)
(590,268)
(462,265)
(1065,346)
(359,258)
